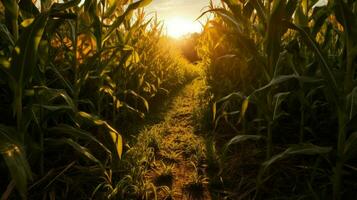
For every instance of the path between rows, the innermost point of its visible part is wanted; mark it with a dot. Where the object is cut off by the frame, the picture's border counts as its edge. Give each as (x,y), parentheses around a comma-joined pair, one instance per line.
(181,149)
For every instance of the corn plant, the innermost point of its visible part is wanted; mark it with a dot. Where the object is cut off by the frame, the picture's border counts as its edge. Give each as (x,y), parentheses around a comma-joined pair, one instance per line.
(284,54)
(70,73)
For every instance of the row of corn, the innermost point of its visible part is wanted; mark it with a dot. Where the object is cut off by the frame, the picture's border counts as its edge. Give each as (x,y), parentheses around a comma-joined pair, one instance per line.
(283,78)
(72,73)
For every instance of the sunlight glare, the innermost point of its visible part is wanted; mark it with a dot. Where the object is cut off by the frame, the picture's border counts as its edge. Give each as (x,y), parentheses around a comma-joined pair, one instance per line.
(178,27)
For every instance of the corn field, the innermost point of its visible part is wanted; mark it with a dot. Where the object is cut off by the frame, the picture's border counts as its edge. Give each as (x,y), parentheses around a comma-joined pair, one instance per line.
(283,78)
(71,74)
(278,113)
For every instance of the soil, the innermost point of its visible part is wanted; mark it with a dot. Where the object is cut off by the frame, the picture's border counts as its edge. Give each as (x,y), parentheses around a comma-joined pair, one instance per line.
(182,148)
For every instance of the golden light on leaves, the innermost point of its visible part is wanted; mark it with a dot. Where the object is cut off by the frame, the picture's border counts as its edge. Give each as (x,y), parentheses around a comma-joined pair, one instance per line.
(86,45)
(27,22)
(115,136)
(12,150)
(118,141)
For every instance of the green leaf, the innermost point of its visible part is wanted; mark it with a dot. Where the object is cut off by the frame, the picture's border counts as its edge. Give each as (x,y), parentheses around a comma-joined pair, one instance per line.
(350,150)
(352,103)
(293,150)
(23,60)
(136,95)
(278,99)
(259,7)
(6,36)
(244,108)
(283,78)
(15,158)
(12,16)
(130,108)
(232,95)
(27,22)
(214,111)
(12,8)
(290,8)
(92,118)
(79,148)
(115,136)
(326,70)
(77,133)
(28,9)
(45,5)
(50,98)
(66,83)
(243,138)
(119,20)
(97,26)
(227,98)
(25,52)
(225,115)
(5,64)
(319,16)
(229,18)
(118,142)
(274,34)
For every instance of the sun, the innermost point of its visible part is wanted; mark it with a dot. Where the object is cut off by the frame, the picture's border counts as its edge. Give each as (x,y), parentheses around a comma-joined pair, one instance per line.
(177,27)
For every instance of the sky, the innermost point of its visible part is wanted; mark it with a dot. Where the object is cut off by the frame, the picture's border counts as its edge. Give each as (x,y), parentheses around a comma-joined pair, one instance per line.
(179,15)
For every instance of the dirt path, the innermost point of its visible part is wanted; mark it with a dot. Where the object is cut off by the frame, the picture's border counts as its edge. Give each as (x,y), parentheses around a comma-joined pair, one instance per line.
(179,159)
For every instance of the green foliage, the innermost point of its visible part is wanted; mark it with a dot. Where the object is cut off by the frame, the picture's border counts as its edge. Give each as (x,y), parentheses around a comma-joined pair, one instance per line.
(284,71)
(72,75)
(15,158)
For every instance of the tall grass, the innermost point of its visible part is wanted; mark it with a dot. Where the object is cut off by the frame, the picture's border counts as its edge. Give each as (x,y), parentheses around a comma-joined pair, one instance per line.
(288,70)
(71,74)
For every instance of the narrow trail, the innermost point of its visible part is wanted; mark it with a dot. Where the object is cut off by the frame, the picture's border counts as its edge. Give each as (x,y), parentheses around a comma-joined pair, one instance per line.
(180,156)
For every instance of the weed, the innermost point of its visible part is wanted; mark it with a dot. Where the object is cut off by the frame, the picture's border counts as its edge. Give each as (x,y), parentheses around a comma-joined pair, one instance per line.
(164,174)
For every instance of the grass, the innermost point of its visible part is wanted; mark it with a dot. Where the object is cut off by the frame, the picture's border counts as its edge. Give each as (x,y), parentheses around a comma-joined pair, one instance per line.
(157,163)
(197,184)
(164,175)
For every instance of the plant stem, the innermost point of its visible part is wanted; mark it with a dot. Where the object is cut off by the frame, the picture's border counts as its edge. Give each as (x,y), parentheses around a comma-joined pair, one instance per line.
(340,153)
(269,141)
(75,65)
(302,120)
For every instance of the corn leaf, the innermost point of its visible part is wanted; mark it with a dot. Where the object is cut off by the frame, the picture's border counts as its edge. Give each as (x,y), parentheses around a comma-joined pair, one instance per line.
(28,9)
(293,150)
(15,159)
(6,36)
(283,78)
(25,52)
(328,75)
(23,60)
(244,108)
(119,21)
(243,138)
(142,99)
(79,148)
(350,150)
(64,129)
(115,136)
